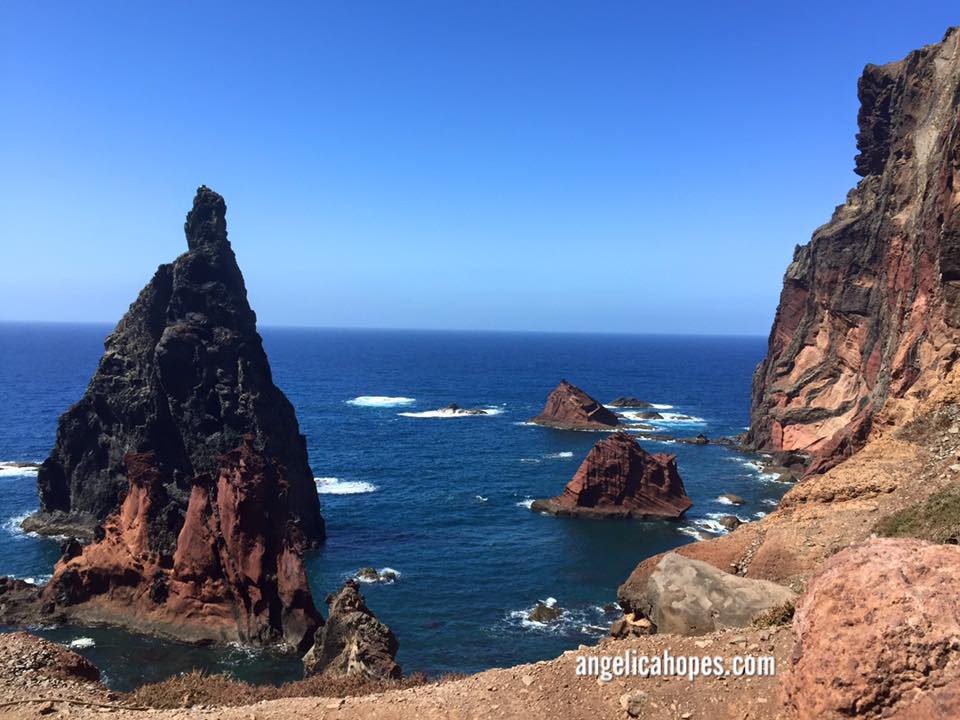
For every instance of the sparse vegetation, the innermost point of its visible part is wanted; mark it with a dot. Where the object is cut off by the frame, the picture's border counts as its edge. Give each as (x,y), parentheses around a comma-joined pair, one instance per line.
(779,615)
(936,519)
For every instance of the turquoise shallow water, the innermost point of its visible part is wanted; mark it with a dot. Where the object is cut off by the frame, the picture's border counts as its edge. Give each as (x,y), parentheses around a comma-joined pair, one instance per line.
(440,500)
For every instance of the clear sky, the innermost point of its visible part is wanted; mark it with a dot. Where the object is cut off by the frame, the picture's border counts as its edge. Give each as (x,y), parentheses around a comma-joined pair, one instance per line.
(609,166)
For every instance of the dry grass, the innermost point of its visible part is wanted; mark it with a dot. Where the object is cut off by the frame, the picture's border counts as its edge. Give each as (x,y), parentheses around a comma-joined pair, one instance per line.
(199,688)
(779,615)
(936,519)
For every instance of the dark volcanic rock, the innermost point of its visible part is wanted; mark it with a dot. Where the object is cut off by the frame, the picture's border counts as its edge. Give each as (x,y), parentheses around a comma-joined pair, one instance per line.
(235,573)
(183,376)
(570,408)
(630,402)
(619,479)
(543,613)
(353,641)
(869,314)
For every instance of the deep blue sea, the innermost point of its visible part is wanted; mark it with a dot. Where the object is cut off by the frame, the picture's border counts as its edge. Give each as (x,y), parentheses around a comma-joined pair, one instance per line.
(438,499)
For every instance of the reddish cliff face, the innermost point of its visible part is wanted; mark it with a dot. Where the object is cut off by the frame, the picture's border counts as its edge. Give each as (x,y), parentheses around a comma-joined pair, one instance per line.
(236,573)
(619,479)
(870,310)
(570,408)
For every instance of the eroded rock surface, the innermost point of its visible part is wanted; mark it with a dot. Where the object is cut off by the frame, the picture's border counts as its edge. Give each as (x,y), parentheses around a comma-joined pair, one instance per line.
(878,635)
(619,479)
(353,641)
(570,408)
(870,308)
(690,597)
(183,376)
(235,571)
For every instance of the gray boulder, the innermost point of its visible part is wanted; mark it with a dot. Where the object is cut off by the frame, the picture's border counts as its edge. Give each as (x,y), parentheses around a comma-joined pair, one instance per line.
(690,597)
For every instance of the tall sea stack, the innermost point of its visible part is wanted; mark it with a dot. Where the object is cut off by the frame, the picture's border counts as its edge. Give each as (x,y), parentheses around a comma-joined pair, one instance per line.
(869,316)
(184,377)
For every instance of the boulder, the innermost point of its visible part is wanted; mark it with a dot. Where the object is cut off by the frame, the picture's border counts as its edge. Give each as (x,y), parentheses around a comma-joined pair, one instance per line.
(353,641)
(733,499)
(183,376)
(630,402)
(570,408)
(877,635)
(544,613)
(618,479)
(690,597)
(729,522)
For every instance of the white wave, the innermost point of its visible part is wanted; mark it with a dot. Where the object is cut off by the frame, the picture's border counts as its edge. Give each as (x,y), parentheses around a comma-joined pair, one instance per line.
(335,486)
(14,469)
(678,419)
(771,502)
(12,525)
(590,620)
(691,531)
(724,500)
(82,642)
(759,514)
(529,460)
(528,503)
(565,455)
(636,416)
(718,515)
(34,579)
(380,401)
(448,413)
(385,575)
(480,498)
(711,526)
(657,406)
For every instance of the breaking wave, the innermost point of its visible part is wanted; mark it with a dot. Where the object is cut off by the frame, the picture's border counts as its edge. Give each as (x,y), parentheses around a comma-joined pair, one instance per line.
(448,413)
(15,469)
(82,642)
(380,401)
(565,455)
(335,486)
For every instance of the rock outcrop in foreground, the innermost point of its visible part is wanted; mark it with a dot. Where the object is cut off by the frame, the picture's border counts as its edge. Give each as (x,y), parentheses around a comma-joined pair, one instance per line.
(618,479)
(184,376)
(570,408)
(869,315)
(877,635)
(236,571)
(353,641)
(690,597)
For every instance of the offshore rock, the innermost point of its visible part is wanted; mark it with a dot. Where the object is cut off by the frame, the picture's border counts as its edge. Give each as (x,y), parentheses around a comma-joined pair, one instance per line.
(353,641)
(618,479)
(570,408)
(869,315)
(235,573)
(184,376)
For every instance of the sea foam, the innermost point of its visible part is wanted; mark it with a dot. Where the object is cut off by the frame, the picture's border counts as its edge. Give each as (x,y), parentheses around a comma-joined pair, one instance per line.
(13,469)
(448,413)
(380,401)
(336,486)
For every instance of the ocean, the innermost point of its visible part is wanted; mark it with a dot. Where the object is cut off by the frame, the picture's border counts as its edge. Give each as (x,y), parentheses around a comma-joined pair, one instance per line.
(442,501)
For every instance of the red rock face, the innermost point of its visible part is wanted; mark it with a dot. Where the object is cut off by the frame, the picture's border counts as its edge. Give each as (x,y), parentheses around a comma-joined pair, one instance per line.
(870,309)
(236,574)
(570,408)
(876,635)
(619,479)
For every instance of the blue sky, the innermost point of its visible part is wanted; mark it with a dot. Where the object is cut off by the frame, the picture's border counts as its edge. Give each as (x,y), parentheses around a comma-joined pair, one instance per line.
(605,166)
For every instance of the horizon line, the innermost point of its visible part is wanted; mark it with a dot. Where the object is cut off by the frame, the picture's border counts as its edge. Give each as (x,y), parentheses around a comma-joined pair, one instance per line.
(282,326)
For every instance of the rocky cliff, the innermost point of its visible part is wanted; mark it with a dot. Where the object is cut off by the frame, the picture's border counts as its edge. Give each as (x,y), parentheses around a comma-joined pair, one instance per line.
(570,408)
(231,571)
(184,376)
(619,479)
(869,315)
